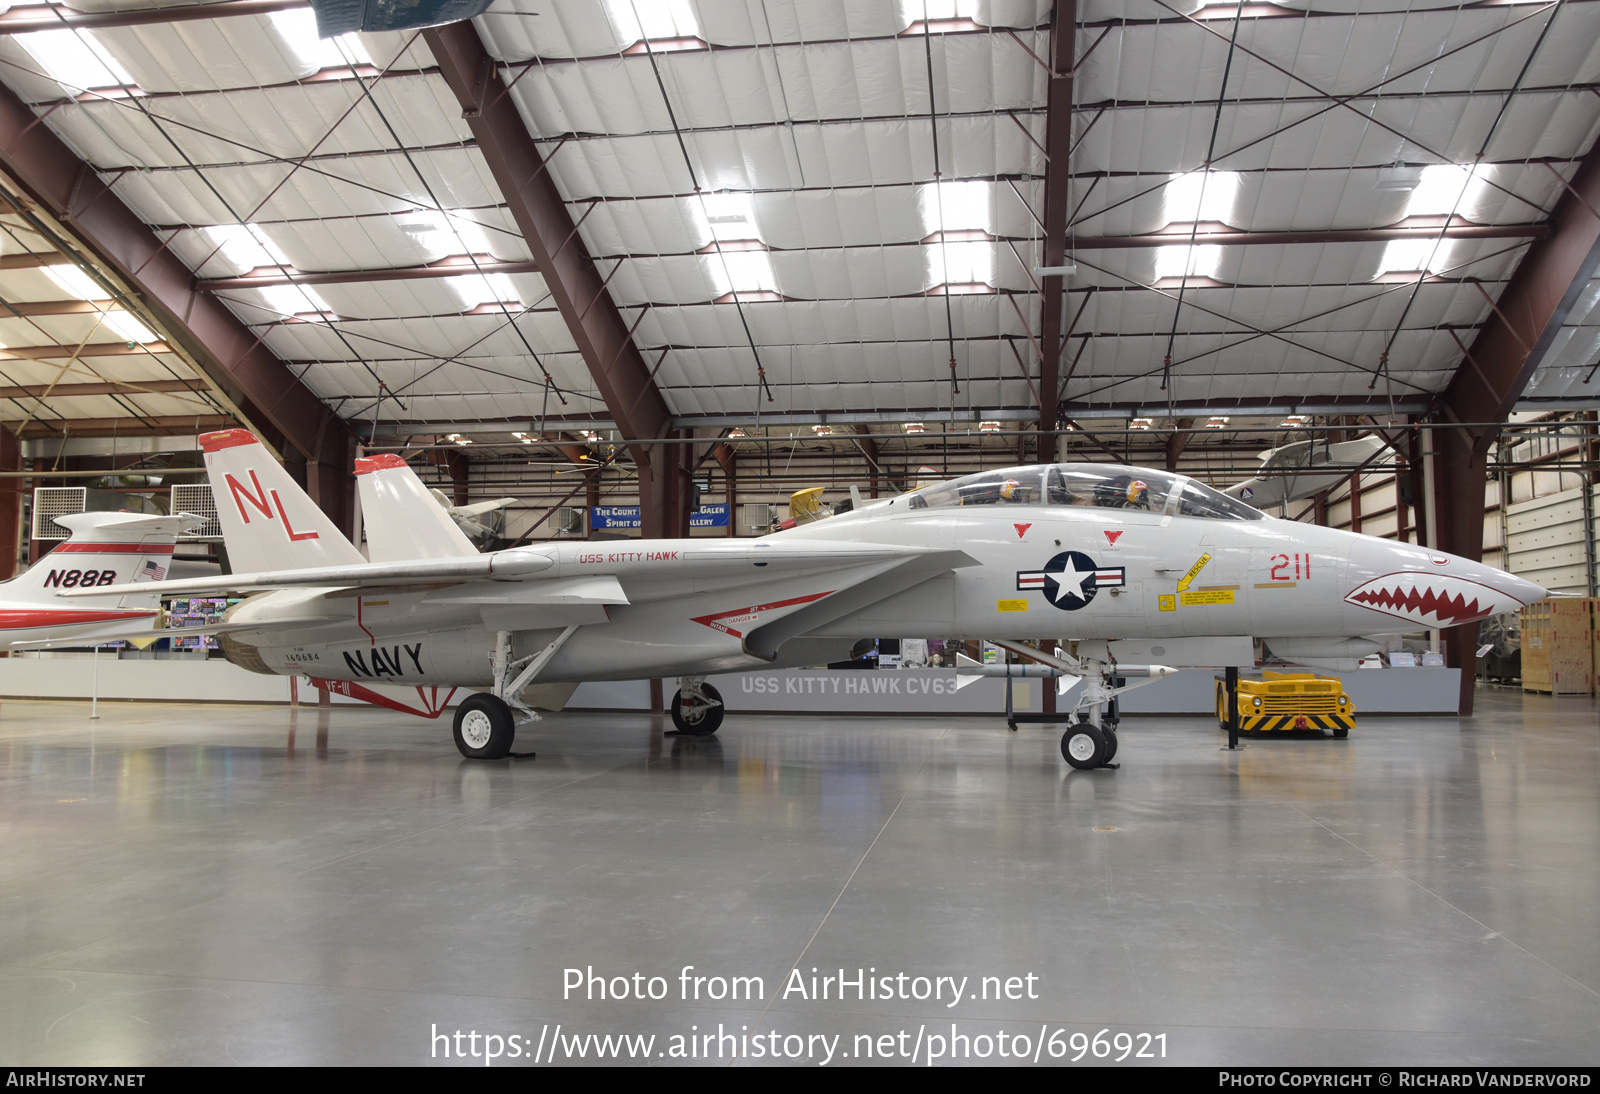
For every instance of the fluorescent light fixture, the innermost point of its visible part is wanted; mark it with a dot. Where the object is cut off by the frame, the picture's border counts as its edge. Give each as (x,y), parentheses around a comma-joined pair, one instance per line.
(1293,420)
(74,282)
(652,20)
(245,245)
(129,327)
(737,433)
(1398,178)
(1056,271)
(1217,422)
(914,427)
(298,29)
(1185,261)
(75,58)
(1141,423)
(1200,196)
(822,430)
(990,427)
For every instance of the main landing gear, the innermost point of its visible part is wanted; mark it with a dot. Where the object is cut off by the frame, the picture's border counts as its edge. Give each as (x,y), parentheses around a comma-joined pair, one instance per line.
(486,722)
(697,707)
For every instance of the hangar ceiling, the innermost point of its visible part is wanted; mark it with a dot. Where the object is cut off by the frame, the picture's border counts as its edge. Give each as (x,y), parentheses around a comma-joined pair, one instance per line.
(836,209)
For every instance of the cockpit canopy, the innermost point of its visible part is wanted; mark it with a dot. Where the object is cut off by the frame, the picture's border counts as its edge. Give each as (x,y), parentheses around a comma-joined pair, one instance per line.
(1100,485)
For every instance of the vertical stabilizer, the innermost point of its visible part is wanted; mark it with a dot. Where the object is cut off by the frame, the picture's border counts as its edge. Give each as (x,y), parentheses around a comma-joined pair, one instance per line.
(403,521)
(268,522)
(105,549)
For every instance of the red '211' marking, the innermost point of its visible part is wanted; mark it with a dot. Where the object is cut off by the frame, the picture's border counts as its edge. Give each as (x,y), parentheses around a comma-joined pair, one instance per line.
(1021,529)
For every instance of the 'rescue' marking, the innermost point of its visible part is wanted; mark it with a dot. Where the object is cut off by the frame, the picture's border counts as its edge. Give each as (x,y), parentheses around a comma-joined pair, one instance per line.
(724,621)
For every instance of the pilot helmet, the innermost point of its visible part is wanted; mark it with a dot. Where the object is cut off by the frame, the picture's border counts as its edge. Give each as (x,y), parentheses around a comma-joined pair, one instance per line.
(1009,488)
(1138,493)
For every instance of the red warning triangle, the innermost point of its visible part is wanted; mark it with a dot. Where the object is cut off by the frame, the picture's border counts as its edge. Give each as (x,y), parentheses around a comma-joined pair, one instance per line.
(1112,537)
(1022,529)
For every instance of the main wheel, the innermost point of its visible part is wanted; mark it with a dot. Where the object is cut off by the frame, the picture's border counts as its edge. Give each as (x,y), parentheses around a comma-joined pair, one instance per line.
(697,719)
(1084,746)
(484,728)
(1111,745)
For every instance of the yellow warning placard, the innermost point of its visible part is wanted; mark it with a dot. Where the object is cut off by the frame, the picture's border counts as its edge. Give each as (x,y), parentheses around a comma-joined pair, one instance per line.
(1168,603)
(1194,571)
(1206,596)
(1011,605)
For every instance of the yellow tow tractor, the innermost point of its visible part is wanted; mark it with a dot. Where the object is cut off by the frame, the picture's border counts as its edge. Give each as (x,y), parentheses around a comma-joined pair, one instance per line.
(1289,700)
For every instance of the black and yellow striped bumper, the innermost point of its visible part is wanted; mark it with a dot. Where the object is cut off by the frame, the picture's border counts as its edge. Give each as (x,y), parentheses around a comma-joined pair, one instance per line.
(1267,722)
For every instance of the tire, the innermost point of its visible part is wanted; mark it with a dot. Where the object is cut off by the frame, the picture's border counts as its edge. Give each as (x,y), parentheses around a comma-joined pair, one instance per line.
(1111,745)
(1341,732)
(1222,705)
(484,728)
(1084,746)
(698,720)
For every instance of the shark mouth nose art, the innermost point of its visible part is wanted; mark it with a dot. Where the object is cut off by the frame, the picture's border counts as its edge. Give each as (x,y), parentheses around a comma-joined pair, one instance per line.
(1433,600)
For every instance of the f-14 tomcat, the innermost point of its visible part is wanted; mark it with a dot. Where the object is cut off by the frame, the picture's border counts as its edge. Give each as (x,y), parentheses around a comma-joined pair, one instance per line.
(1090,552)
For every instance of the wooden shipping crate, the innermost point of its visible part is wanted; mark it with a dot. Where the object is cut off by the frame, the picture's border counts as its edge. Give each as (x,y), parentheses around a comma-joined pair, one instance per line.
(1558,646)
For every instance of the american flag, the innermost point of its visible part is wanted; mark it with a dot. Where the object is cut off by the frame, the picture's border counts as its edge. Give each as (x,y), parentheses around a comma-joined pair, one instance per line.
(153,570)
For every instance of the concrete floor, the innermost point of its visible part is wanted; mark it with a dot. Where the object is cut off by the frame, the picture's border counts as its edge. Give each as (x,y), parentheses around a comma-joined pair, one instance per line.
(186,884)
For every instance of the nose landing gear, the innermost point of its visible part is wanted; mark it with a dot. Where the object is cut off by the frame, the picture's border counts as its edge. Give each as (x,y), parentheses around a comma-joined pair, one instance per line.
(697,707)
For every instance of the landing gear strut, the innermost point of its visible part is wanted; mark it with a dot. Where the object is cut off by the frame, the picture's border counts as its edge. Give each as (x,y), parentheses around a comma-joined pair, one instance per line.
(697,707)
(486,723)
(1092,740)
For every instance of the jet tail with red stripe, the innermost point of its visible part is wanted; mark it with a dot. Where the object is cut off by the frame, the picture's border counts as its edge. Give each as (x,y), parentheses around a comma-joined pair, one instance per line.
(268,522)
(105,549)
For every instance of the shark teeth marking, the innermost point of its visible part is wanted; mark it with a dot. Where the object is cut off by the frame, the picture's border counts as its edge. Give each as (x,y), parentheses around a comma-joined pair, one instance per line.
(1434,599)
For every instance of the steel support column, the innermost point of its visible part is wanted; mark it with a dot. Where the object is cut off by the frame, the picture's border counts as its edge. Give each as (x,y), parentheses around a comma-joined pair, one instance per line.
(633,401)
(70,192)
(11,534)
(1518,333)
(1058,142)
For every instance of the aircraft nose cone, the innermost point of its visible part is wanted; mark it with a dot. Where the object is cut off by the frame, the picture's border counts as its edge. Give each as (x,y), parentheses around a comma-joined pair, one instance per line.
(1430,588)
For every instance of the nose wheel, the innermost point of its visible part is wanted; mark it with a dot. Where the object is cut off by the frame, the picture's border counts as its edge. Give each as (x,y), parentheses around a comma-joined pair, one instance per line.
(697,711)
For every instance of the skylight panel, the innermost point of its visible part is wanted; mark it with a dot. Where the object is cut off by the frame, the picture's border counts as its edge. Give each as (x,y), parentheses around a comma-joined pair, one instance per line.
(298,29)
(956,206)
(961,263)
(298,301)
(652,20)
(245,245)
(1200,196)
(1415,255)
(476,289)
(129,327)
(74,282)
(445,232)
(1446,188)
(1200,261)
(939,15)
(742,272)
(75,58)
(729,217)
